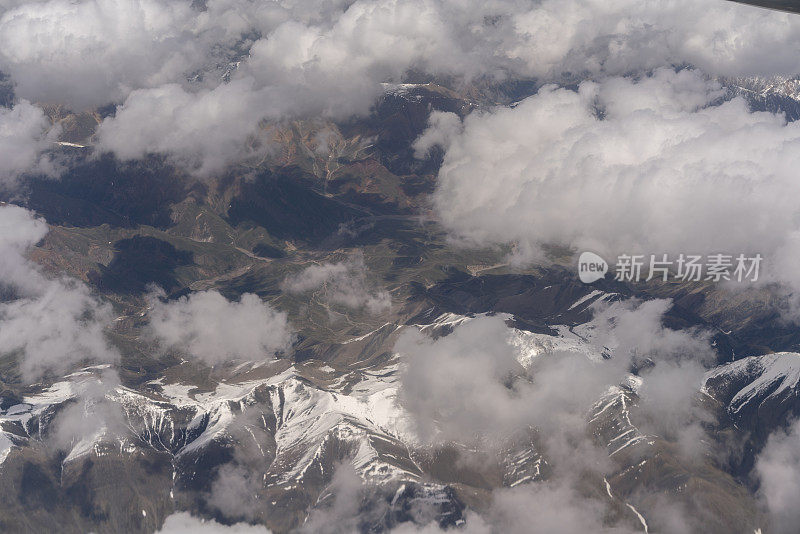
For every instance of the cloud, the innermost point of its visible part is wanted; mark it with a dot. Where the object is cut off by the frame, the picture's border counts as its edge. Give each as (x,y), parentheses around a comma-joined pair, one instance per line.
(470,384)
(550,507)
(208,326)
(777,468)
(25,133)
(59,326)
(469,387)
(185,523)
(458,387)
(341,515)
(633,329)
(170,63)
(626,36)
(628,166)
(443,128)
(671,364)
(52,323)
(344,283)
(330,56)
(535,508)
(90,417)
(234,491)
(89,53)
(203,131)
(237,485)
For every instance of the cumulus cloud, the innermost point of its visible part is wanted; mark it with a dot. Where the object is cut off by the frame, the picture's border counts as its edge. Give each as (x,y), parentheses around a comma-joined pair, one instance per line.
(236,488)
(57,327)
(778,471)
(470,384)
(628,166)
(621,37)
(550,507)
(342,511)
(329,58)
(210,327)
(335,53)
(25,133)
(536,508)
(344,283)
(51,323)
(89,53)
(20,229)
(203,131)
(633,329)
(90,417)
(443,128)
(671,363)
(185,523)
(469,387)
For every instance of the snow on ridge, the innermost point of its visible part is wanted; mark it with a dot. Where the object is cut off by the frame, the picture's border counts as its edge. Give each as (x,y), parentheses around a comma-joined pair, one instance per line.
(610,417)
(306,415)
(365,417)
(446,319)
(214,408)
(585,298)
(365,336)
(33,406)
(773,375)
(529,345)
(402,89)
(767,86)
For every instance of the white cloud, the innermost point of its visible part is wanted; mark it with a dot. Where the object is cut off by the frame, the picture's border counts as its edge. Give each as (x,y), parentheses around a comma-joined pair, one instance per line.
(443,128)
(57,327)
(208,326)
(234,491)
(633,329)
(778,470)
(468,387)
(626,166)
(54,323)
(328,58)
(92,52)
(91,417)
(625,36)
(342,514)
(185,523)
(344,283)
(551,507)
(204,131)
(25,132)
(334,51)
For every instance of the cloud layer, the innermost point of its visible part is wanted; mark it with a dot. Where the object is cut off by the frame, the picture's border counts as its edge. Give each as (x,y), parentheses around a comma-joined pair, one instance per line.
(185,523)
(52,323)
(208,326)
(343,283)
(628,166)
(25,133)
(169,62)
(778,471)
(469,387)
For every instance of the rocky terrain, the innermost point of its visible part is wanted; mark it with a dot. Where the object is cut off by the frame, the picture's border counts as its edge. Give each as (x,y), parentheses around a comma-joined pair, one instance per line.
(262,441)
